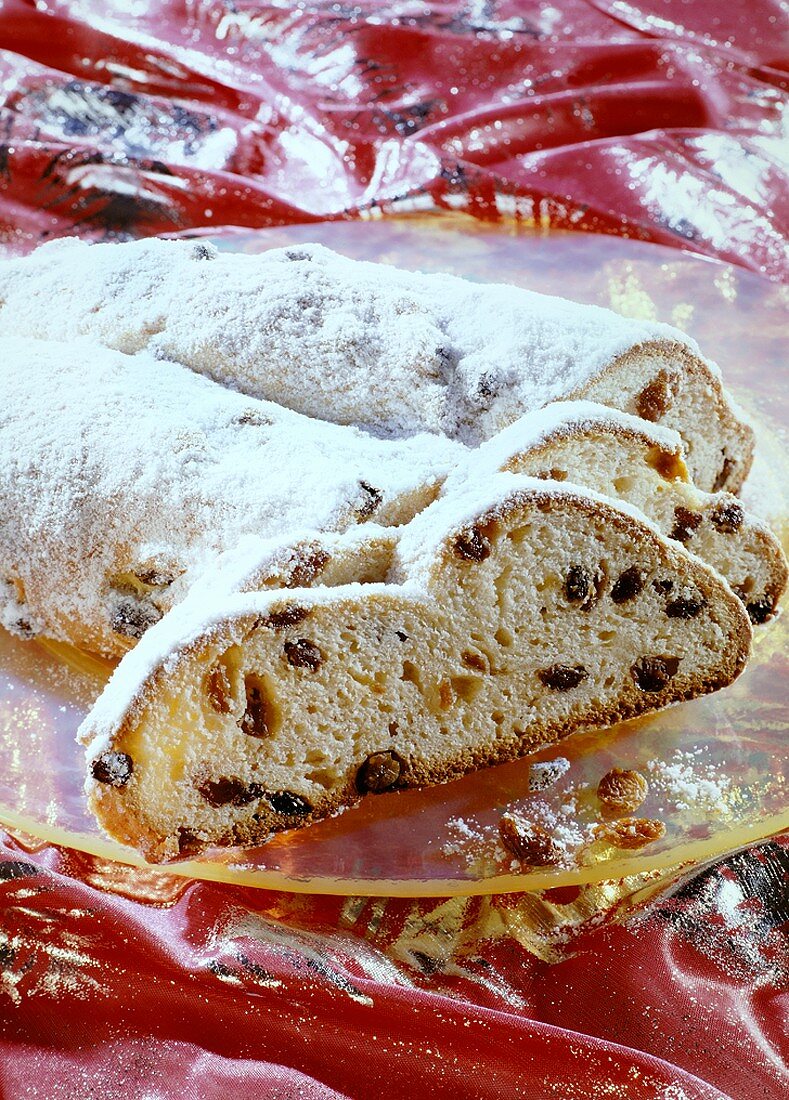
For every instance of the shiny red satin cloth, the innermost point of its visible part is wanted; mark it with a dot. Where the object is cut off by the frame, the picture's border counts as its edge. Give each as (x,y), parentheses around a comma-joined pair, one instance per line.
(655,118)
(659,120)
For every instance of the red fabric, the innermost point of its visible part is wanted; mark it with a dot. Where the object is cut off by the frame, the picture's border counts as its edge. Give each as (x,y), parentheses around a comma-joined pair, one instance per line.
(659,120)
(655,119)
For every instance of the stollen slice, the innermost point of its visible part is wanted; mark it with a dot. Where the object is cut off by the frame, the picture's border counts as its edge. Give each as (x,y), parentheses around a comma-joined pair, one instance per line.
(270,710)
(586,444)
(371,345)
(644,465)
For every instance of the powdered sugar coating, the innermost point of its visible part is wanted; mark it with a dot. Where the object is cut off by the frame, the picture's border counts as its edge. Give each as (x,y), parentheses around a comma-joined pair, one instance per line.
(114,466)
(343,340)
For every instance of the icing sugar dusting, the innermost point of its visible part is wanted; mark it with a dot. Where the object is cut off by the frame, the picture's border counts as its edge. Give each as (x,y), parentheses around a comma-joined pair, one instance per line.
(689,782)
(346,340)
(135,475)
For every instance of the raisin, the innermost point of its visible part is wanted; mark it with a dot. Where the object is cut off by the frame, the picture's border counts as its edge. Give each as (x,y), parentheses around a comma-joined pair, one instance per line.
(562,677)
(723,476)
(727,518)
(528,842)
(472,545)
(307,569)
(401,634)
(132,619)
(289,804)
(113,768)
(380,772)
(685,523)
(663,586)
(653,673)
(228,791)
(759,611)
(578,584)
(628,585)
(303,654)
(219,690)
(373,498)
(474,660)
(258,715)
(655,399)
(286,616)
(24,628)
(189,843)
(632,832)
(684,608)
(622,791)
(254,418)
(153,577)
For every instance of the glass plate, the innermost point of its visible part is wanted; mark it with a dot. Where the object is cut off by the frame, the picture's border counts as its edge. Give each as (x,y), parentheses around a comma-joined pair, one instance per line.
(717,766)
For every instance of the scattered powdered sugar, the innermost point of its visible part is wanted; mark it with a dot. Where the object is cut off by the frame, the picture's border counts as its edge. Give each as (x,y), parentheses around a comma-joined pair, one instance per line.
(345,340)
(480,845)
(125,478)
(689,783)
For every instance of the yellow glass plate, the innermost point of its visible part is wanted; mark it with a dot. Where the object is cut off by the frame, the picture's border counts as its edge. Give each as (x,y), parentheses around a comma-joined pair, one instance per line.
(717,766)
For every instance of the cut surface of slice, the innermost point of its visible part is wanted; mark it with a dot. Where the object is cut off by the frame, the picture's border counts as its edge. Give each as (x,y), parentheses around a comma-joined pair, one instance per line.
(367,344)
(586,444)
(531,611)
(643,465)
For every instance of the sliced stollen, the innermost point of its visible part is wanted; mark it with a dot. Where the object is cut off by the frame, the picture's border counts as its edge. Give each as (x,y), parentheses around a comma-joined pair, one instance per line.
(270,710)
(123,479)
(643,464)
(615,454)
(371,345)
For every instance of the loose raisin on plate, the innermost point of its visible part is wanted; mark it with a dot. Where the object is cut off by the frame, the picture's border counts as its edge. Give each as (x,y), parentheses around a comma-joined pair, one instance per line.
(379,772)
(632,832)
(684,608)
(621,790)
(303,654)
(685,523)
(727,518)
(627,585)
(472,545)
(228,791)
(528,842)
(653,673)
(562,677)
(289,804)
(113,768)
